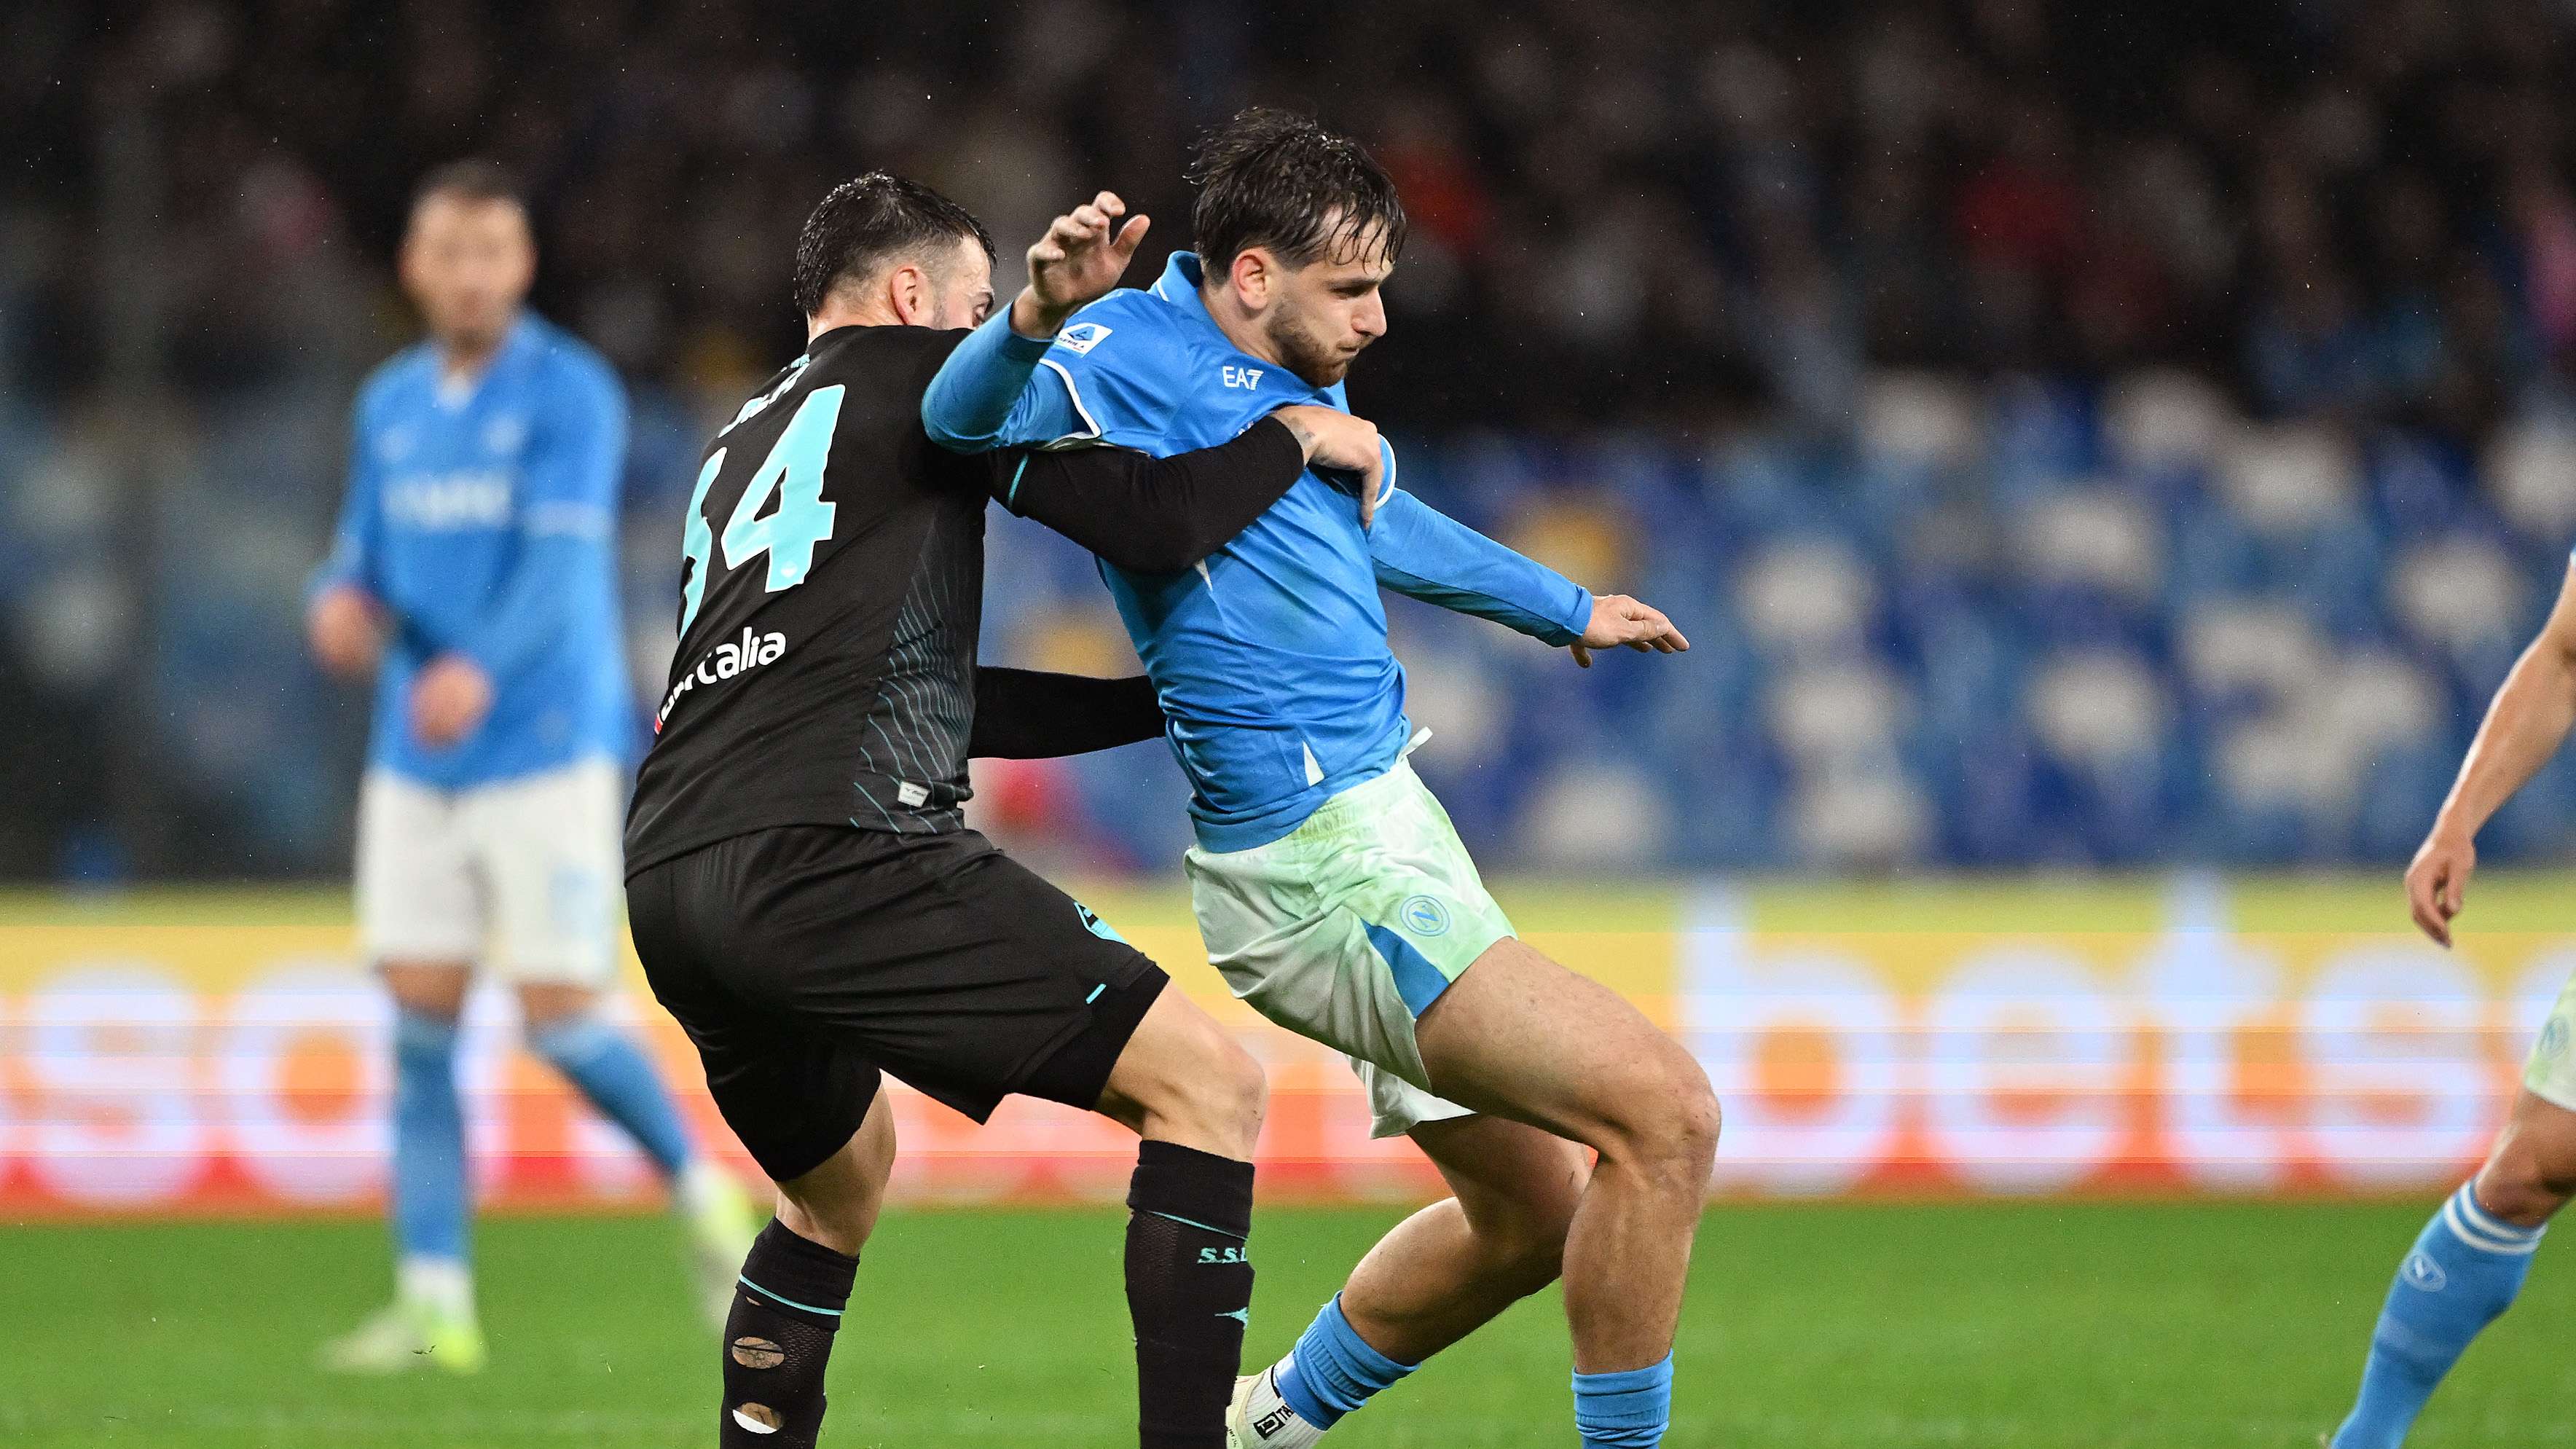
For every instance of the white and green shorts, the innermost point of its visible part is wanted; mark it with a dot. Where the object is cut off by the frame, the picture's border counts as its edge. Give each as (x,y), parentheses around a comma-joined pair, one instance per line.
(1348,928)
(2550,1072)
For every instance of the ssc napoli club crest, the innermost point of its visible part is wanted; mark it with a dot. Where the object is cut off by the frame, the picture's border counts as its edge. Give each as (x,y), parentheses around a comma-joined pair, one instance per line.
(1424,916)
(2424,1273)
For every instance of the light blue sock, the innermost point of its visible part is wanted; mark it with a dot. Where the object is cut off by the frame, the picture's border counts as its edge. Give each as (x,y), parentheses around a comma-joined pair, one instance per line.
(432,1205)
(1627,1410)
(613,1072)
(1333,1370)
(2466,1268)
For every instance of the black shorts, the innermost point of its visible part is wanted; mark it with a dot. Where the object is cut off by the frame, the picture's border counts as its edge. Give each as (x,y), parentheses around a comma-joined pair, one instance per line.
(805,960)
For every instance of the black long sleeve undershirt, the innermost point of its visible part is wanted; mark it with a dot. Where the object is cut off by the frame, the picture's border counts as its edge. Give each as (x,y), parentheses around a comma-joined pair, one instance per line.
(1156,515)
(1153,515)
(1024,714)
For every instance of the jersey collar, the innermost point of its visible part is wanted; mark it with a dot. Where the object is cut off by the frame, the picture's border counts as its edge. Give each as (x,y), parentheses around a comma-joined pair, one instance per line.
(1179,286)
(455,394)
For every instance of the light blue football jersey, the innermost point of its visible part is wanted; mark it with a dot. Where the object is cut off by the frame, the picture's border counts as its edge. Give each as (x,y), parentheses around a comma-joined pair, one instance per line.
(1271,657)
(483,515)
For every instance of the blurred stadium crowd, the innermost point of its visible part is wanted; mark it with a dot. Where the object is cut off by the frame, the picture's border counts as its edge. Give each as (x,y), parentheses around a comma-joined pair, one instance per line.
(2114,439)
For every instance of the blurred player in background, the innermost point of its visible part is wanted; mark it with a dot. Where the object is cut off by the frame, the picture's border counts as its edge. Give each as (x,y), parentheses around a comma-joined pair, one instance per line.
(2468,1264)
(473,575)
(1331,889)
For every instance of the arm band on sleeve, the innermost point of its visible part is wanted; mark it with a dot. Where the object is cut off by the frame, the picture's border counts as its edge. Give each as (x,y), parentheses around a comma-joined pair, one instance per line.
(1023,714)
(1157,515)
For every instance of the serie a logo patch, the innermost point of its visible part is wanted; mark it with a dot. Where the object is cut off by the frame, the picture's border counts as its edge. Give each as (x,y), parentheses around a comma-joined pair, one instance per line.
(1082,337)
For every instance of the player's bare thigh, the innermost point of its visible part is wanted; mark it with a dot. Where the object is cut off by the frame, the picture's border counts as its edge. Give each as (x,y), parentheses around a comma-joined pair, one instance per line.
(2530,1173)
(1184,1079)
(1521,1037)
(837,1203)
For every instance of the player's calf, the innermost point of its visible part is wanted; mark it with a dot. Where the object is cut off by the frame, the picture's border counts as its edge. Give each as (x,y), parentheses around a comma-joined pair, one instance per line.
(2465,1269)
(2531,1171)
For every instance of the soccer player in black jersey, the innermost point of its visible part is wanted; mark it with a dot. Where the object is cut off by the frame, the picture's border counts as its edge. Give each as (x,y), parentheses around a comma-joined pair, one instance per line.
(805,896)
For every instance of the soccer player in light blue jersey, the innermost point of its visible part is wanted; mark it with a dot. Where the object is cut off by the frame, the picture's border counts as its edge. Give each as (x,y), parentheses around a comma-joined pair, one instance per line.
(474,577)
(2469,1262)
(1331,890)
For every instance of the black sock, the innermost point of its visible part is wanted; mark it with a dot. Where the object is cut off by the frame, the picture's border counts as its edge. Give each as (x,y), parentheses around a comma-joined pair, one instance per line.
(1189,1288)
(778,1339)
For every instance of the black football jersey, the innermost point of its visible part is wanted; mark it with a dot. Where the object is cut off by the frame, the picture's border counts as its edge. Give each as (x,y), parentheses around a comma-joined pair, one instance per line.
(831,597)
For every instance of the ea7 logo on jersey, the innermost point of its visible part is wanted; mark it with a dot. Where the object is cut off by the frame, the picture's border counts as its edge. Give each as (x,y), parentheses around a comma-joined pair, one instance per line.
(1242,377)
(722,663)
(1082,337)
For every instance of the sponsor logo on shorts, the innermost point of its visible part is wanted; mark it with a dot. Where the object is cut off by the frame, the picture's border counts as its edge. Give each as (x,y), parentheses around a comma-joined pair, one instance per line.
(1423,916)
(726,660)
(2422,1272)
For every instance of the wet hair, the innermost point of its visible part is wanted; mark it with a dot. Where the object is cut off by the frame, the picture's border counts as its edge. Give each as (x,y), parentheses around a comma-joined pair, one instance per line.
(473,179)
(1271,178)
(868,221)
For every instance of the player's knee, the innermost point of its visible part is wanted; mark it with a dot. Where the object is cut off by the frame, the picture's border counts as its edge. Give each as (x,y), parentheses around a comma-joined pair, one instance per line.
(839,1224)
(430,990)
(545,1006)
(2526,1184)
(1236,1096)
(1672,1127)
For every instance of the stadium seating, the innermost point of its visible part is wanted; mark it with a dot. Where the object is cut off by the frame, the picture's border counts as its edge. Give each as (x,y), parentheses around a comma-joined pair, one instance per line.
(2024,626)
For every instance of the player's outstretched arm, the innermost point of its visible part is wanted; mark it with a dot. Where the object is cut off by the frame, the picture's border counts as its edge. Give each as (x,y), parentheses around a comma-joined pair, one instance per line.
(981,396)
(2527,722)
(1425,554)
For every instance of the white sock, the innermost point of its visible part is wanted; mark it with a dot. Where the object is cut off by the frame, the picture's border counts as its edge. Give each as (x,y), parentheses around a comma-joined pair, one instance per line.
(445,1286)
(1268,1421)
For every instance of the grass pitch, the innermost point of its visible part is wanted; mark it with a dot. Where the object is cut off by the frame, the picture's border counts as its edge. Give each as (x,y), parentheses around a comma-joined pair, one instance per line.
(2070,1326)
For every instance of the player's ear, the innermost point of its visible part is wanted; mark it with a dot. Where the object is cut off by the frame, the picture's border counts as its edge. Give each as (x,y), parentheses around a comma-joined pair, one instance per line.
(908,293)
(1251,274)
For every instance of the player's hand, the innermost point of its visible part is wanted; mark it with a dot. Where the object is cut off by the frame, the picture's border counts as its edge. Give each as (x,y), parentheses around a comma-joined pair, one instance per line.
(2437,883)
(1618,619)
(1081,257)
(449,700)
(346,630)
(1334,439)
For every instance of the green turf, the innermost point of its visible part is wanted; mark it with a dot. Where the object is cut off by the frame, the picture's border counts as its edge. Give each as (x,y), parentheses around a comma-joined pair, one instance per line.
(1886,1325)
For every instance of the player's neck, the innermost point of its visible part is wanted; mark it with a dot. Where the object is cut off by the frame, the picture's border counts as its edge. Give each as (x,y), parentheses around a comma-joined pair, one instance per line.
(463,359)
(1238,326)
(837,315)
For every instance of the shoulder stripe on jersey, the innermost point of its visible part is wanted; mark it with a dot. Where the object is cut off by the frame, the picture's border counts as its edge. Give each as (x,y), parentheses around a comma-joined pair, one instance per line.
(1088,421)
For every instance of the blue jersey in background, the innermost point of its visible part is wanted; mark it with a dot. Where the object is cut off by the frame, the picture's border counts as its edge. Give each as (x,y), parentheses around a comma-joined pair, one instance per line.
(482,514)
(1270,658)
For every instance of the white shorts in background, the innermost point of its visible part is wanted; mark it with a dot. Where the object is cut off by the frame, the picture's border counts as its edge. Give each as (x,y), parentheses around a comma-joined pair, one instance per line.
(522,875)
